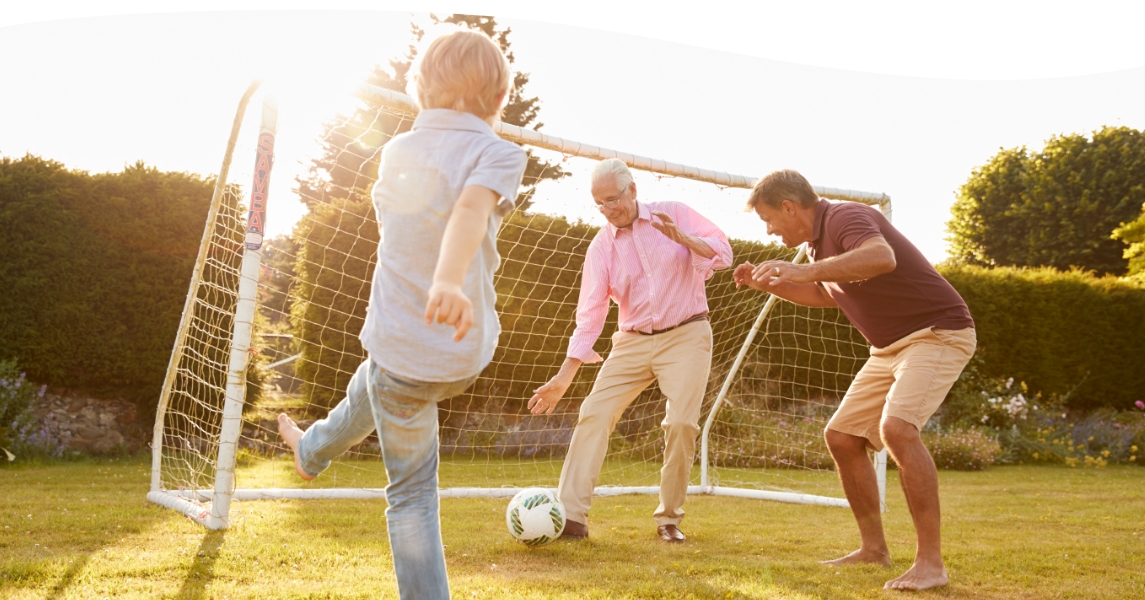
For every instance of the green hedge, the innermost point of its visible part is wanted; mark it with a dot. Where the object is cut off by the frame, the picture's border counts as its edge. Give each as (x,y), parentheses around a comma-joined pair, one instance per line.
(94,270)
(1060,332)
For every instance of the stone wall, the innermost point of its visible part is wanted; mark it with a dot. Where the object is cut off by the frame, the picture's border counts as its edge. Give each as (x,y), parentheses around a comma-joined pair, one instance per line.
(89,425)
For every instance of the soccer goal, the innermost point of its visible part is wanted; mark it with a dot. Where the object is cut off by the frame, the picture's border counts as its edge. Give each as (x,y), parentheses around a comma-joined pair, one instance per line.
(271,325)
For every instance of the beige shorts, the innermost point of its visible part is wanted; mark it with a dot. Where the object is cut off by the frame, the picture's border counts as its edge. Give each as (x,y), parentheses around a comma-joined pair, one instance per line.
(908,379)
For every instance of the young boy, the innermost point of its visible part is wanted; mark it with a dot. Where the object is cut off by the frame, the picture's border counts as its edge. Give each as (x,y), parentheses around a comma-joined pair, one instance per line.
(431,327)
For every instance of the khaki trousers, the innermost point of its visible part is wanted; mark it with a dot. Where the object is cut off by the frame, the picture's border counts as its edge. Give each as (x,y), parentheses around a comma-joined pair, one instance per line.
(680,361)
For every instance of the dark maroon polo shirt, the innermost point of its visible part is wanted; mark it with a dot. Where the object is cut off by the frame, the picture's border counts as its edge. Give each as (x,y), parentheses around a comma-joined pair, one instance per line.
(893,305)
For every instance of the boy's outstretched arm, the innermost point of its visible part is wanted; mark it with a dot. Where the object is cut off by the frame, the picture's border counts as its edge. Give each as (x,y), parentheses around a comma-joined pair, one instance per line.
(463,234)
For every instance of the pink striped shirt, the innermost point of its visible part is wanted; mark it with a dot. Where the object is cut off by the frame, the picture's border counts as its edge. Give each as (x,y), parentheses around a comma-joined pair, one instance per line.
(656,282)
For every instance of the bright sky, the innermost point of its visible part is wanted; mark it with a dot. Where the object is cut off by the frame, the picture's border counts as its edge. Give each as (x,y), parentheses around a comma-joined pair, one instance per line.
(901,98)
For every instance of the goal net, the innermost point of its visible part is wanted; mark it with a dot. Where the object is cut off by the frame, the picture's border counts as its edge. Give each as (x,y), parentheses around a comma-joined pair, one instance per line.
(271,325)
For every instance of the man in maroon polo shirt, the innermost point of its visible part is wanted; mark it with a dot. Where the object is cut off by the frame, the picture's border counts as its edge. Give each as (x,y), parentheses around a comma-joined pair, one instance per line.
(921,337)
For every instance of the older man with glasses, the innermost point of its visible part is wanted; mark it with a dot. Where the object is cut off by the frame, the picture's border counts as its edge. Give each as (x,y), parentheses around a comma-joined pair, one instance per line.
(652,259)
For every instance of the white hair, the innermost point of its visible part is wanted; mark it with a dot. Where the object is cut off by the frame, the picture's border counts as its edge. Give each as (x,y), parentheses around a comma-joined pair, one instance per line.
(613,167)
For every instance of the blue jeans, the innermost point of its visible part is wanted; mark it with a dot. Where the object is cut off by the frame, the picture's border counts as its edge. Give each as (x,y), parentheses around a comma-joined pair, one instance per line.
(405,415)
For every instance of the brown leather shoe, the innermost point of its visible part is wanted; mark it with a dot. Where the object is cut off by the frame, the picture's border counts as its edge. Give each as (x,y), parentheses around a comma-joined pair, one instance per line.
(575,531)
(671,533)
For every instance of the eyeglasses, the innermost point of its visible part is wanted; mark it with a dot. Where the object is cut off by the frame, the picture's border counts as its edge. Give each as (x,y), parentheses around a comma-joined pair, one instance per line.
(611,204)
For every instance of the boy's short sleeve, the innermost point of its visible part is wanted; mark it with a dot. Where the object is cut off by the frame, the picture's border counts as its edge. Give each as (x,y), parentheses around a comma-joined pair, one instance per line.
(500,168)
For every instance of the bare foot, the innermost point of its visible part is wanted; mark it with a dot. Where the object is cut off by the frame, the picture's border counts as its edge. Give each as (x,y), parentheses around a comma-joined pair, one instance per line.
(919,577)
(290,433)
(861,556)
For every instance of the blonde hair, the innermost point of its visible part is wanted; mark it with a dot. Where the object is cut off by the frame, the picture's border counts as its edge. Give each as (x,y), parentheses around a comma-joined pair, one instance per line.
(462,69)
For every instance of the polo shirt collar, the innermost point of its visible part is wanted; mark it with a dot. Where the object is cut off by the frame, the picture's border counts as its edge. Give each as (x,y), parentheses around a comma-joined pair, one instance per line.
(643,213)
(445,118)
(817,225)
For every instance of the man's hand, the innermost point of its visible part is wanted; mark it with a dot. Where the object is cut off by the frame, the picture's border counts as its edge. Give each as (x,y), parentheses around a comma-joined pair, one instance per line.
(448,304)
(783,279)
(742,277)
(546,397)
(668,227)
(767,274)
(671,231)
(778,272)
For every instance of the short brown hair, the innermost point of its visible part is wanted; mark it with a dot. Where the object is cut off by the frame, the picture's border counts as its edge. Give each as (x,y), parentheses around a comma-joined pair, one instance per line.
(462,70)
(778,186)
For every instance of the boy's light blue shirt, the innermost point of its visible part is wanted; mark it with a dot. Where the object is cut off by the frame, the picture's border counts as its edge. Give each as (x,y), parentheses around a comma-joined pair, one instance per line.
(420,178)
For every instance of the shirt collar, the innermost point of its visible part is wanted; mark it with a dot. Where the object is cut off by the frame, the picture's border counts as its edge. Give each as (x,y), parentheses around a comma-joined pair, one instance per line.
(817,226)
(445,118)
(643,212)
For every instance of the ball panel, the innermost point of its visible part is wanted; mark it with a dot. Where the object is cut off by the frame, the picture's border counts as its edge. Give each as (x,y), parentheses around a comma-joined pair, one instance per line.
(535,517)
(515,526)
(537,541)
(557,514)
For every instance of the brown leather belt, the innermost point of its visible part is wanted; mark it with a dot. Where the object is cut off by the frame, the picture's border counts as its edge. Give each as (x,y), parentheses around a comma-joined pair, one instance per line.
(691,319)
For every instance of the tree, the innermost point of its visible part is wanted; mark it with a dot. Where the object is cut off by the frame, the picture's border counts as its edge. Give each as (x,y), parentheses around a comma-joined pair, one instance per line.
(348,165)
(1055,208)
(278,257)
(1133,233)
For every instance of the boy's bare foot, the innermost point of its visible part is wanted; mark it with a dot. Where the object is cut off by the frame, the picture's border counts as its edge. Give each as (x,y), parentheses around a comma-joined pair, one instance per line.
(861,556)
(290,433)
(919,577)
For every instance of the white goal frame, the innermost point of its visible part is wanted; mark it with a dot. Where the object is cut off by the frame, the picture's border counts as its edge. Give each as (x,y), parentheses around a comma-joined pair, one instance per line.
(217,516)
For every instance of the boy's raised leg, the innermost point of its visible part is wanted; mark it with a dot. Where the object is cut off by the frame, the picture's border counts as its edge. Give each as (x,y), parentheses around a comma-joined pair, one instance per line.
(346,425)
(291,434)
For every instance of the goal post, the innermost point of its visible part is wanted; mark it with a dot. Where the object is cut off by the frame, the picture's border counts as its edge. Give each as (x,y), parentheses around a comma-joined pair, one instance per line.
(242,321)
(298,302)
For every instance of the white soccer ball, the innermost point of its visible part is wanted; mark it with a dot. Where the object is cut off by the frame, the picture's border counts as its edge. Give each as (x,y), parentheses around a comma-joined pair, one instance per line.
(535,516)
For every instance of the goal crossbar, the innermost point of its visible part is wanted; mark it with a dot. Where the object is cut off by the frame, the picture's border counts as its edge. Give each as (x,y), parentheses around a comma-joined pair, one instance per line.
(532,137)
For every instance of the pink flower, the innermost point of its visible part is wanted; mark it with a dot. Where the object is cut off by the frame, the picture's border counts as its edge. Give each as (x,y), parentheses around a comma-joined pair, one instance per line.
(1139,404)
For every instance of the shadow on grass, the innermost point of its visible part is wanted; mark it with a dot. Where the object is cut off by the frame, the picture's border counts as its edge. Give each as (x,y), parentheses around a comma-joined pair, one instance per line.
(202,569)
(68,577)
(81,507)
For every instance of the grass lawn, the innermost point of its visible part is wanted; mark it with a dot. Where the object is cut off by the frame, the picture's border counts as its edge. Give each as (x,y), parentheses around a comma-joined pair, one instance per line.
(85,530)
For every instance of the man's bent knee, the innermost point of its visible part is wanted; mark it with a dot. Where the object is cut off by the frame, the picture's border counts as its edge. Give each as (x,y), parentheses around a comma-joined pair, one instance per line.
(595,420)
(681,428)
(837,441)
(897,432)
